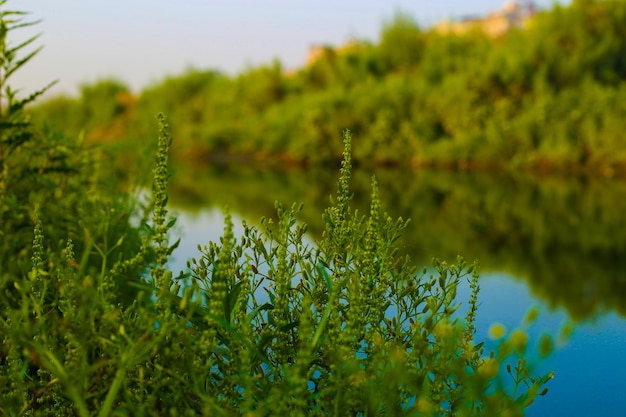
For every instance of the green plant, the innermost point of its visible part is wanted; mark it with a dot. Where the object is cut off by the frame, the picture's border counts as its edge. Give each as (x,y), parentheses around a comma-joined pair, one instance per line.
(34,166)
(346,327)
(40,166)
(13,124)
(13,127)
(263,324)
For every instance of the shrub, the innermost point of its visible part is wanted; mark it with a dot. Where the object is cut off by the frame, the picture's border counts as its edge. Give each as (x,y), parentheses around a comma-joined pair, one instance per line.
(261,324)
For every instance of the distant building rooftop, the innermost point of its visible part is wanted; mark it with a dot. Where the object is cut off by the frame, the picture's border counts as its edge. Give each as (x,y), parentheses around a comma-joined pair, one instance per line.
(514,14)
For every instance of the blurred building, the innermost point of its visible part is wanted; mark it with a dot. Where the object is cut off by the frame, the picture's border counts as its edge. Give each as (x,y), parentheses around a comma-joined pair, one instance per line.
(514,14)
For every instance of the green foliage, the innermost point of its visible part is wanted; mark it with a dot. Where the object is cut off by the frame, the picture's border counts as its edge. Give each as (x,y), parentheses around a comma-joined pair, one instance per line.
(401,43)
(95,324)
(24,155)
(346,327)
(549,96)
(103,106)
(13,131)
(11,61)
(41,167)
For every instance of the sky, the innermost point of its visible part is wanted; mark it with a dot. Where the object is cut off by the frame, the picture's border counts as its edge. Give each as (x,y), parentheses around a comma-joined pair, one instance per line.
(139,42)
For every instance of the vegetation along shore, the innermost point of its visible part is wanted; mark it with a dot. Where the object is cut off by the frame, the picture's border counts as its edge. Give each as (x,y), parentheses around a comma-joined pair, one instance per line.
(547,96)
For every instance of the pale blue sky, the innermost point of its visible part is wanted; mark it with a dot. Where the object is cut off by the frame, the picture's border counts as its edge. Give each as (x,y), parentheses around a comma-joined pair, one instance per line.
(141,41)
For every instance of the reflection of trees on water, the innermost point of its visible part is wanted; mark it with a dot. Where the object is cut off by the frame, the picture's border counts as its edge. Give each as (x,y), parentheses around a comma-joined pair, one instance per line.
(565,237)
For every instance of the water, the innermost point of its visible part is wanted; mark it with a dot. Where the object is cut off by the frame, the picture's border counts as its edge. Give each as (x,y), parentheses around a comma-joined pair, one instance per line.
(557,244)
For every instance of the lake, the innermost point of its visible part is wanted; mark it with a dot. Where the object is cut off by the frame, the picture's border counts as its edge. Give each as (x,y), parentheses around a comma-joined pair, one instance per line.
(555,243)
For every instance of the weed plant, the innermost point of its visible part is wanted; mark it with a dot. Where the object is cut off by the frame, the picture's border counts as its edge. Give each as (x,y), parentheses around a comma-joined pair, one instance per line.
(262,324)
(41,167)
(346,326)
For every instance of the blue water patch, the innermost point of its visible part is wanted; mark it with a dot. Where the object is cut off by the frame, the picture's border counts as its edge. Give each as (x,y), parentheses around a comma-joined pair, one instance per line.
(588,368)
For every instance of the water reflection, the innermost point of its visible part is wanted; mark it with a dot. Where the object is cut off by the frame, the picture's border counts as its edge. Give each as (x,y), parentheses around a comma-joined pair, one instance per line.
(562,237)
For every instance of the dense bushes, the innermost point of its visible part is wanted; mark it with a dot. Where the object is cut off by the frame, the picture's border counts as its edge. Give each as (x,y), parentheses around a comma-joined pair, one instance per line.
(262,324)
(547,96)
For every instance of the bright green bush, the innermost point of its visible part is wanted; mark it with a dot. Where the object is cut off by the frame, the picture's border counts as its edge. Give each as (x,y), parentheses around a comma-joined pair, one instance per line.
(346,327)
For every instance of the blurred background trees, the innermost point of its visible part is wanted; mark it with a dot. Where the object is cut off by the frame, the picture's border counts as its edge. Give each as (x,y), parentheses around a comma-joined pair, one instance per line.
(549,95)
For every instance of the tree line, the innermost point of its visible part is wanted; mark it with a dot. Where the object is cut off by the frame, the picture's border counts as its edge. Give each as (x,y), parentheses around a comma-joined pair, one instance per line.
(549,96)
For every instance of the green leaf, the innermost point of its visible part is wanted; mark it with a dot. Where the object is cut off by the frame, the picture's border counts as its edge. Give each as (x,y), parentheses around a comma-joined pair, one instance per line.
(231,302)
(289,326)
(270,295)
(18,25)
(148,228)
(324,275)
(24,44)
(266,306)
(172,248)
(21,62)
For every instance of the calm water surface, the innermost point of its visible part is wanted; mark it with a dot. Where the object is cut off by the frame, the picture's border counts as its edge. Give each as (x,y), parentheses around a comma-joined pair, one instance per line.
(557,244)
